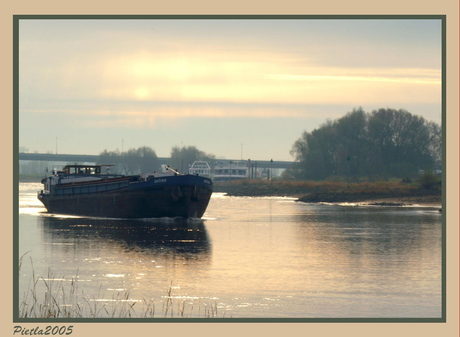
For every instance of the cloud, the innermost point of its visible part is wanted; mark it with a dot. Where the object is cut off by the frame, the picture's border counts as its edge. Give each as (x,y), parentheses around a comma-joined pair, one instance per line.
(258,77)
(155,115)
(407,76)
(143,76)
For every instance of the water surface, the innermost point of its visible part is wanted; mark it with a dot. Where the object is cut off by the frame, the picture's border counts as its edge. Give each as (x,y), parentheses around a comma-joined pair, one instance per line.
(247,258)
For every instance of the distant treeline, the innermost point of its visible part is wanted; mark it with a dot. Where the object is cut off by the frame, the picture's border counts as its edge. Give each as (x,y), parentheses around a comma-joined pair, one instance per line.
(381,144)
(384,143)
(145,160)
(133,161)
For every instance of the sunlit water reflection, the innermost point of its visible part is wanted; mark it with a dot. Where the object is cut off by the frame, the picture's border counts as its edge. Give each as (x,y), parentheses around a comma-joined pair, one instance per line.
(248,257)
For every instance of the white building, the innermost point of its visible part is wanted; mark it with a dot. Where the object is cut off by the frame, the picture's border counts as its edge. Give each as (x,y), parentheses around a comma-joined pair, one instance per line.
(201,168)
(230,170)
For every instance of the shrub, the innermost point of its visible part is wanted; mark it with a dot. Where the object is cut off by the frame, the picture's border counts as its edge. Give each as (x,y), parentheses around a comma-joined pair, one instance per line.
(428,180)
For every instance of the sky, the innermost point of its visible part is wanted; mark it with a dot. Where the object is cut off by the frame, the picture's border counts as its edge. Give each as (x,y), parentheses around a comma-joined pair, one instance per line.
(238,89)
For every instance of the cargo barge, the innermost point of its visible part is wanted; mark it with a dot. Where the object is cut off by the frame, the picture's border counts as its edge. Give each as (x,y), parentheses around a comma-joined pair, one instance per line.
(86,191)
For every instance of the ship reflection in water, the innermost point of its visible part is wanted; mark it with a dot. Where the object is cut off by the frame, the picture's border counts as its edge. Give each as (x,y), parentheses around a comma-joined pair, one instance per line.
(155,236)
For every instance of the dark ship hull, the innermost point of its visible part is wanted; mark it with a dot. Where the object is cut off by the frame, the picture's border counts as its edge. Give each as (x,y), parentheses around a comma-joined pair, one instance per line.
(185,196)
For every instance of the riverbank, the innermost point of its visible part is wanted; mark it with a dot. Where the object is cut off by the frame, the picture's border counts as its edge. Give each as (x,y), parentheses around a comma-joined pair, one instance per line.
(378,193)
(417,196)
(382,193)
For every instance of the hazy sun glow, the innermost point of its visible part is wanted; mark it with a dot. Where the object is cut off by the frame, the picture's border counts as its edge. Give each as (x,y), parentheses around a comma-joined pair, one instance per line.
(258,78)
(147,78)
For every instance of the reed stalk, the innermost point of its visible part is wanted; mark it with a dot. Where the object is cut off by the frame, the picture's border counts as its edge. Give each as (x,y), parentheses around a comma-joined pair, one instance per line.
(53,297)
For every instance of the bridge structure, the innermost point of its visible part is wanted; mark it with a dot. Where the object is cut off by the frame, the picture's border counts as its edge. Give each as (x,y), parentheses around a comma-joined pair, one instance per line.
(86,158)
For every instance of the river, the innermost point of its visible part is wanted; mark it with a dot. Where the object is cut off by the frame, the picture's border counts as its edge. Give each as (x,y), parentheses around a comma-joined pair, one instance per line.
(247,258)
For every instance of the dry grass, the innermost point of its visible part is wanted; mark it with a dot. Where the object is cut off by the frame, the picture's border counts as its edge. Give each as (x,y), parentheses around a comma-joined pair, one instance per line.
(58,297)
(300,188)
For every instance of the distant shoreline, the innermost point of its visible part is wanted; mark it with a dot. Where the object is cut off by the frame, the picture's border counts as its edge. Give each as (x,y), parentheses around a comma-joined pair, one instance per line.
(380,193)
(425,198)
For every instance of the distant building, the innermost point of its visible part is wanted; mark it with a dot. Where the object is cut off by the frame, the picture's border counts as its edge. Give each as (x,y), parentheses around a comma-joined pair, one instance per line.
(201,168)
(223,170)
(232,170)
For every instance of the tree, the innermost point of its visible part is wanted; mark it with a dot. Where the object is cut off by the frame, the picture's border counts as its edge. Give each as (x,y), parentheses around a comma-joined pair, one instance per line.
(400,142)
(111,158)
(141,160)
(316,153)
(183,157)
(352,147)
(133,161)
(435,145)
(384,143)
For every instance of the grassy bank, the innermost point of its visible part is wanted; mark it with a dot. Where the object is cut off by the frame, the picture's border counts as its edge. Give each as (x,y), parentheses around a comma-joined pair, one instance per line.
(309,191)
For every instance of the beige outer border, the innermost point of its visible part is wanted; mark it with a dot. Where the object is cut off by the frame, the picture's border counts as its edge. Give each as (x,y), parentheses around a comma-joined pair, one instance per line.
(442,7)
